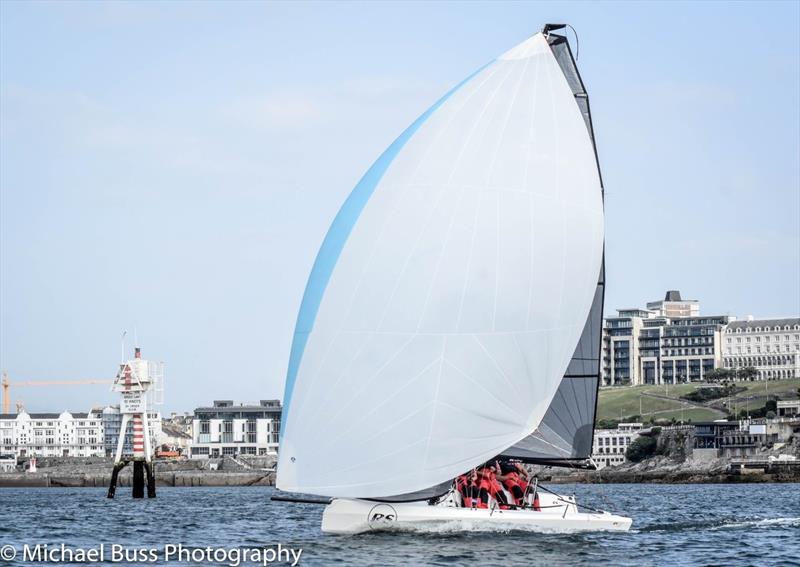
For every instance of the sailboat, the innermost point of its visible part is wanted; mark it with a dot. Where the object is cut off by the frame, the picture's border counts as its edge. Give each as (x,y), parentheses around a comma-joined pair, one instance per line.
(453,313)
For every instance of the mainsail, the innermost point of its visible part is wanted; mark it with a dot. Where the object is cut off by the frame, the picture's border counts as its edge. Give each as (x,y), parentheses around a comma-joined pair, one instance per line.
(446,302)
(565,435)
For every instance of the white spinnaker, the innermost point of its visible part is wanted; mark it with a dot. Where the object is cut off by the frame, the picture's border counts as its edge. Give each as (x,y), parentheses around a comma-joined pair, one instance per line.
(459,296)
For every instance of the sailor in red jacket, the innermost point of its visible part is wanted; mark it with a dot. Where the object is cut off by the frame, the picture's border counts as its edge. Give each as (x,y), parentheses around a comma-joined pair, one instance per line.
(515,478)
(467,485)
(488,485)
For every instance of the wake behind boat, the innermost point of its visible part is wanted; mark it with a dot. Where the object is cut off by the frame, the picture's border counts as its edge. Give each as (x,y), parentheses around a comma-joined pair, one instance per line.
(453,314)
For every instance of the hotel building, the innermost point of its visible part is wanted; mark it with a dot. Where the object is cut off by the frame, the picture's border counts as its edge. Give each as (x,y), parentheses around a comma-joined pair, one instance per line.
(771,346)
(667,343)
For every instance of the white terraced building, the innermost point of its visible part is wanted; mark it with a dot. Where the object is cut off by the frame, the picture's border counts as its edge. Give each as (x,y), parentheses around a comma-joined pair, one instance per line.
(52,434)
(66,434)
(610,445)
(771,346)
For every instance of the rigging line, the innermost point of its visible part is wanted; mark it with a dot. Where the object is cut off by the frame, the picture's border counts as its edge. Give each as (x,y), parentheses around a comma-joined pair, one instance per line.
(577,45)
(538,436)
(561,499)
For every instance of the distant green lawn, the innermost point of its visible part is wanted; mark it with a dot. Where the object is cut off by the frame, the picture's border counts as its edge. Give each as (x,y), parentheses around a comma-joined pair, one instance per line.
(622,402)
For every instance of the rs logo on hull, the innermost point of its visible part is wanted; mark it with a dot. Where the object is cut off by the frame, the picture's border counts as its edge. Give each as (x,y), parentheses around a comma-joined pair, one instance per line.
(381,516)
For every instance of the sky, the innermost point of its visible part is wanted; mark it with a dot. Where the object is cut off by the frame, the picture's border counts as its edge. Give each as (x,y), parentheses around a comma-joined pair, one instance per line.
(170,169)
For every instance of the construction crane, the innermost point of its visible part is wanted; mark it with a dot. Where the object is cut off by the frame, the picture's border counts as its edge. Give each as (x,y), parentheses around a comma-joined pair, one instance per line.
(29,383)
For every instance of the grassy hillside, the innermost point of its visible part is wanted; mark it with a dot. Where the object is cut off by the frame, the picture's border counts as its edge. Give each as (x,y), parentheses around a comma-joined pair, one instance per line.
(663,402)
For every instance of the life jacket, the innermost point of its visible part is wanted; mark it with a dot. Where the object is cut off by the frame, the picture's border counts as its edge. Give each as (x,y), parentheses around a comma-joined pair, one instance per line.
(486,480)
(512,479)
(462,485)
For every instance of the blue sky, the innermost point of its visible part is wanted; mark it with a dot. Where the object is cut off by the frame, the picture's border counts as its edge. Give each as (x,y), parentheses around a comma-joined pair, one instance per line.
(173,167)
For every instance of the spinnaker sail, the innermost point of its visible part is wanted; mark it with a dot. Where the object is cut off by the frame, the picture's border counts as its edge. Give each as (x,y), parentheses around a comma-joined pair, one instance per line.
(446,302)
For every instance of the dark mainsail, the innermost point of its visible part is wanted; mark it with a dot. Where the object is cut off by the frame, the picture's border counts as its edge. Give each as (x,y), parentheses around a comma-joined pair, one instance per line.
(564,436)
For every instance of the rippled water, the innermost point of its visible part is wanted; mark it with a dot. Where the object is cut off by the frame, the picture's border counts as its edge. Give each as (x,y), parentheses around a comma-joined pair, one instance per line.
(757,524)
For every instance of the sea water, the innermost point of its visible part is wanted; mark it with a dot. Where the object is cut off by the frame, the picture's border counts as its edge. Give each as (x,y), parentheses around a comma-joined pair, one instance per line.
(712,524)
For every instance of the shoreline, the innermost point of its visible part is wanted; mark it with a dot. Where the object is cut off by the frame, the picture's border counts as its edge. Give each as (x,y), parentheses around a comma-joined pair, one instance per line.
(218,479)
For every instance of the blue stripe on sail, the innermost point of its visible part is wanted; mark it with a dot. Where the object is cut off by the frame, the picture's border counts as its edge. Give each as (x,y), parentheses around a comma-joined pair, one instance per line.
(334,243)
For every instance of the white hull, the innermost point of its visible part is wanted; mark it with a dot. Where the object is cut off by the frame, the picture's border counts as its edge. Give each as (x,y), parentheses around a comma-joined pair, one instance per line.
(346,516)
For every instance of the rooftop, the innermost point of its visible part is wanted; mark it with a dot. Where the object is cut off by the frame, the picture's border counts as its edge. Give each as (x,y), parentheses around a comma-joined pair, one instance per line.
(791,321)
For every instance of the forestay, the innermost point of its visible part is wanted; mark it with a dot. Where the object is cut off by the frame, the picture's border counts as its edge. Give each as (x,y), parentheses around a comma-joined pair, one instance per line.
(450,292)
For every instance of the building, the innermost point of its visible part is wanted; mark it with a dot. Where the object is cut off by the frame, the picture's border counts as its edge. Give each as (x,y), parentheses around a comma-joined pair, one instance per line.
(8,463)
(621,346)
(609,445)
(674,306)
(788,408)
(112,421)
(756,436)
(52,434)
(771,346)
(92,434)
(230,429)
(661,345)
(709,434)
(175,438)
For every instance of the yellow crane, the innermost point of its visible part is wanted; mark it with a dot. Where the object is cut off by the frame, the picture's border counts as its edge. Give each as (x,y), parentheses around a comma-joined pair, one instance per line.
(29,383)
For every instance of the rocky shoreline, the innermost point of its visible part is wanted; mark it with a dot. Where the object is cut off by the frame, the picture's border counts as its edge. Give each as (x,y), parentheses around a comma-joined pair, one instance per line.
(96,472)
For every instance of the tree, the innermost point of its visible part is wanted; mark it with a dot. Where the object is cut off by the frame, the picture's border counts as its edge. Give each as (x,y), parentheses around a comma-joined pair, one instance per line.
(748,373)
(719,375)
(643,447)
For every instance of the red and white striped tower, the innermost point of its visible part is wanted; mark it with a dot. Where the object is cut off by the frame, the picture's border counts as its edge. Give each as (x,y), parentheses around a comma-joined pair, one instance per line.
(134,380)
